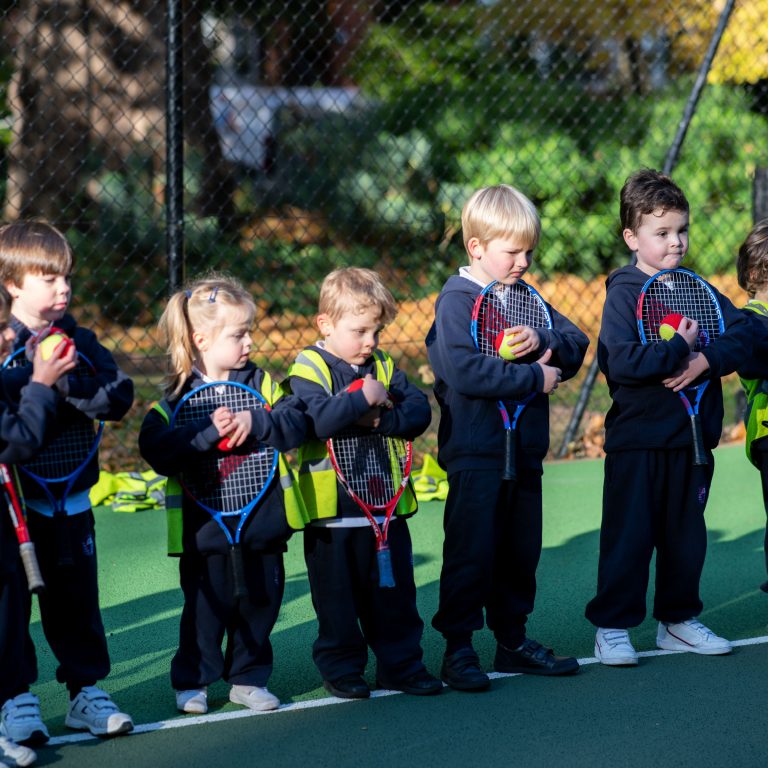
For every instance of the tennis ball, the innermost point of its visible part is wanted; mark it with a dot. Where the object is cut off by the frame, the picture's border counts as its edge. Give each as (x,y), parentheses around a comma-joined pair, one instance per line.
(669,325)
(51,341)
(223,445)
(500,345)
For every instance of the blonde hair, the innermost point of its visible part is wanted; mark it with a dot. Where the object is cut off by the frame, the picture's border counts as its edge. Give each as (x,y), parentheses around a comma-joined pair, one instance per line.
(201,306)
(354,290)
(752,262)
(33,247)
(500,212)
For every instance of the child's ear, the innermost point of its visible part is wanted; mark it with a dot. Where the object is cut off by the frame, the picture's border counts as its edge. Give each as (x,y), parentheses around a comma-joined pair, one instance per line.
(324,324)
(12,288)
(630,238)
(200,340)
(474,247)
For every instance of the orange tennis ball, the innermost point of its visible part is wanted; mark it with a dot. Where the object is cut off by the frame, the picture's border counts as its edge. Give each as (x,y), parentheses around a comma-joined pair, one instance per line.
(669,325)
(51,341)
(506,352)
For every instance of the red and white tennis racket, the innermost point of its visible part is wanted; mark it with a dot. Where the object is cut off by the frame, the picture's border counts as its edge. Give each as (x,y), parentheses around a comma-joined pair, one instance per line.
(26,547)
(498,308)
(680,291)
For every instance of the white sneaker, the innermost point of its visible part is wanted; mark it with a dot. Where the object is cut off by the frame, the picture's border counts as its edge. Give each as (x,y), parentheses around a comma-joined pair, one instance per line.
(20,720)
(14,754)
(259,699)
(193,702)
(612,647)
(691,635)
(92,710)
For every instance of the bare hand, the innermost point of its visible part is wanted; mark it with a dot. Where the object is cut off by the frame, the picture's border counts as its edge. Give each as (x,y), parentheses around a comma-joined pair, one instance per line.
(552,375)
(242,424)
(375,392)
(49,371)
(223,420)
(689,330)
(525,340)
(693,366)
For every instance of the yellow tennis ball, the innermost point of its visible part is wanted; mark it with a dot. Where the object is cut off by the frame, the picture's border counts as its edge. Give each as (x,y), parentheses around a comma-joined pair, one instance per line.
(506,352)
(50,342)
(669,325)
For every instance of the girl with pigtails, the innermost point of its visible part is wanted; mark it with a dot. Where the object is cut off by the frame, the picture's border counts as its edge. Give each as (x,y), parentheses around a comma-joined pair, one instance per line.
(207,330)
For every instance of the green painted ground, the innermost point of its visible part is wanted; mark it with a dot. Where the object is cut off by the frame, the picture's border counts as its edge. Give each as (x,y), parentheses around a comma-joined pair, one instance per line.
(672,710)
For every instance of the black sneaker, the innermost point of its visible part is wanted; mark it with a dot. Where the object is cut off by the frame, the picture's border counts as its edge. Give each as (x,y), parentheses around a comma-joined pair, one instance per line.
(533,659)
(461,670)
(420,683)
(348,687)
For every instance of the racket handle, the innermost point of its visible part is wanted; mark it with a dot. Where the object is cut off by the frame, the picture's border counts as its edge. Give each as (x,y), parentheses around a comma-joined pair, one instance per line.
(699,454)
(238,571)
(509,472)
(31,567)
(384,558)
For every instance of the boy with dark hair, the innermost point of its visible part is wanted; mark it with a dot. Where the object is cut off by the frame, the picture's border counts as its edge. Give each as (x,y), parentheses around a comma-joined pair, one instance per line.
(493,526)
(653,495)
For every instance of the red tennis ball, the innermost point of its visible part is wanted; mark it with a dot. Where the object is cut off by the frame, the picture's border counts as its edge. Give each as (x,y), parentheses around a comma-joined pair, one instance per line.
(669,325)
(223,444)
(506,352)
(354,386)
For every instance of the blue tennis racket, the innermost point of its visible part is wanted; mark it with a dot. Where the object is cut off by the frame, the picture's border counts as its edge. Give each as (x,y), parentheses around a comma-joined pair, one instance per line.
(680,291)
(497,308)
(227,484)
(73,444)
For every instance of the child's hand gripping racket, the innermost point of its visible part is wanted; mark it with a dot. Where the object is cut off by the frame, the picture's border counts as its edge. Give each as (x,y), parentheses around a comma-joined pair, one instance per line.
(226,483)
(74,442)
(683,293)
(498,308)
(26,547)
(374,470)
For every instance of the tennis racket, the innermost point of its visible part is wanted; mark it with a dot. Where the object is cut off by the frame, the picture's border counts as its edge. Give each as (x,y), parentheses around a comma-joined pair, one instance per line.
(26,547)
(497,308)
(227,484)
(74,443)
(374,470)
(680,291)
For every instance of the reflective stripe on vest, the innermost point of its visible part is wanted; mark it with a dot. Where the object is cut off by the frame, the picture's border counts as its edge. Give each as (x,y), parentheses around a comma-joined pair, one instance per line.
(756,413)
(317,479)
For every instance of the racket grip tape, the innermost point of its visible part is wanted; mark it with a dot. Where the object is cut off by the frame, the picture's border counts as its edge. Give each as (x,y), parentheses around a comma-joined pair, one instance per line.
(31,567)
(238,571)
(509,472)
(699,454)
(384,558)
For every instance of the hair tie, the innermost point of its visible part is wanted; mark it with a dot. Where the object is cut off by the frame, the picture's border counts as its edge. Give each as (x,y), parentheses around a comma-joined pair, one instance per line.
(212,297)
(188,294)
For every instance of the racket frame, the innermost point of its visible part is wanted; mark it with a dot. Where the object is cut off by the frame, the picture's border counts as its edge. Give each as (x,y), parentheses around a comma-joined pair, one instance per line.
(383,555)
(690,396)
(235,550)
(58,500)
(509,471)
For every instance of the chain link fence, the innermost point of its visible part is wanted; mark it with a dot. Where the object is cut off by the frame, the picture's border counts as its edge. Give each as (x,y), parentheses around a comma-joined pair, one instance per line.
(350,132)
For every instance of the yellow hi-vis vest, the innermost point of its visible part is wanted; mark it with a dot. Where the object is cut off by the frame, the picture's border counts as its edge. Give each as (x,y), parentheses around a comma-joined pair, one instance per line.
(756,414)
(295,509)
(317,480)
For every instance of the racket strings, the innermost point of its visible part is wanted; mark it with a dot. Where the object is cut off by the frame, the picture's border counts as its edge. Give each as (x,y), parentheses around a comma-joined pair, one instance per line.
(65,453)
(374,466)
(685,295)
(506,306)
(225,481)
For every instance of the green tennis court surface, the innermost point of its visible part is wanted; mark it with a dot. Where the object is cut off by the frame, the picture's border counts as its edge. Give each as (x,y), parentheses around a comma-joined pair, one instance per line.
(674,709)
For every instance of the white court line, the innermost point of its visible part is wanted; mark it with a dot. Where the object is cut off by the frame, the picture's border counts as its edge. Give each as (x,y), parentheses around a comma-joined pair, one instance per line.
(185,720)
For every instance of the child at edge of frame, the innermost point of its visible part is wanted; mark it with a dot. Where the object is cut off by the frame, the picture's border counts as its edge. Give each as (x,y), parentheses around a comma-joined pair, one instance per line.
(752,272)
(493,527)
(22,433)
(36,263)
(207,328)
(653,495)
(353,611)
